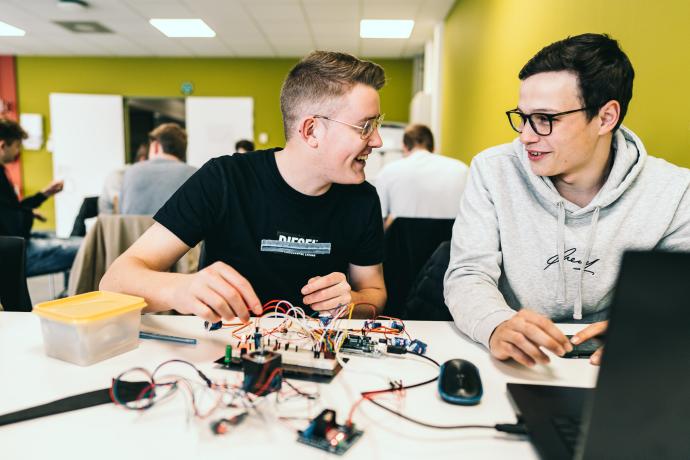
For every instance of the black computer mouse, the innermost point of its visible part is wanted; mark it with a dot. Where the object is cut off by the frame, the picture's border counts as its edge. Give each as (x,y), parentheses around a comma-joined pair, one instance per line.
(459,383)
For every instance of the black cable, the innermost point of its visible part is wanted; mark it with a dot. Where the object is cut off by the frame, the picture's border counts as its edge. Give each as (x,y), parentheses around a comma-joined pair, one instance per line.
(407,387)
(517,428)
(419,422)
(298,391)
(203,376)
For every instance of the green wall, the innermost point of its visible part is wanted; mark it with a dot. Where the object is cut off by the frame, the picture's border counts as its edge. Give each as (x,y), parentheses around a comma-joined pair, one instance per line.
(161,77)
(486,43)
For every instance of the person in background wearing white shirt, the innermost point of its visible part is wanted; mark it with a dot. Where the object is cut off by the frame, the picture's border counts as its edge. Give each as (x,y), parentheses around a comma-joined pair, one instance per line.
(422,184)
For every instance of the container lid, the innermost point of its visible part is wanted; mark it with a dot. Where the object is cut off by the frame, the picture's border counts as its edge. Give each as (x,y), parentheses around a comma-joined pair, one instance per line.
(92,306)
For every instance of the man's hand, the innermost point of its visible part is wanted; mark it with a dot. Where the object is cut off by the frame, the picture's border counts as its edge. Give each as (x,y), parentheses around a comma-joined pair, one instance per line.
(53,188)
(327,292)
(38,216)
(521,336)
(216,292)
(587,333)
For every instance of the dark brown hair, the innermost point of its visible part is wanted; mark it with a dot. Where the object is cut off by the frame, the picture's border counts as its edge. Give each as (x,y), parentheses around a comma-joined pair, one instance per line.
(11,131)
(604,72)
(418,136)
(172,138)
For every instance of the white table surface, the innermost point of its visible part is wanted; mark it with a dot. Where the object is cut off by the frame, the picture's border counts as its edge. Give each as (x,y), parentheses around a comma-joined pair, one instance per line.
(28,377)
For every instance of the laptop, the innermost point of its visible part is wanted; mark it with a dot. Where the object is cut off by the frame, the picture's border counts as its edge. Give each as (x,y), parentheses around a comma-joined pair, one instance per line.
(640,408)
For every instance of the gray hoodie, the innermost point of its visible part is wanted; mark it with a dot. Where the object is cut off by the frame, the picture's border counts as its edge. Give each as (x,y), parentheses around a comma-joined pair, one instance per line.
(518,243)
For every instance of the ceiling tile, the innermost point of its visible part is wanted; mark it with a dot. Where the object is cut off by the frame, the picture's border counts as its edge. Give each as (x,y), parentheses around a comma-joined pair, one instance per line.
(120,46)
(435,10)
(336,44)
(390,9)
(243,27)
(336,28)
(8,45)
(293,49)
(266,11)
(330,10)
(206,47)
(382,48)
(253,49)
(161,9)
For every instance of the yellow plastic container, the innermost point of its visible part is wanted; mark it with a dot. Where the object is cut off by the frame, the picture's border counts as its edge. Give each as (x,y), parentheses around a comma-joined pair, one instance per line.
(91,327)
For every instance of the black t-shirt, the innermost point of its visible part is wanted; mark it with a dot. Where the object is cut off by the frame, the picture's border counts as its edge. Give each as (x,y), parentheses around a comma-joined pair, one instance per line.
(275,236)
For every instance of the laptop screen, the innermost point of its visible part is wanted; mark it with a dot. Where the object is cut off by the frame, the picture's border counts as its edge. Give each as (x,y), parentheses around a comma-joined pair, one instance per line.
(641,406)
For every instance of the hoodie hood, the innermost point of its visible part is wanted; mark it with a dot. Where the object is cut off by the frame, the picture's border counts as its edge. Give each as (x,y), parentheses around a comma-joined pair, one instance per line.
(628,161)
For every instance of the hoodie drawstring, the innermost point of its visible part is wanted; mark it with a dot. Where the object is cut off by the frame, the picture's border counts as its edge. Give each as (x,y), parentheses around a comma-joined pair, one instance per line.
(560,248)
(577,314)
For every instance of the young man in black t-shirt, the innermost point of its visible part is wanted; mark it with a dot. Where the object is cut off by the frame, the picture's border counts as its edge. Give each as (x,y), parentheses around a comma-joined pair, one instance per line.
(297,223)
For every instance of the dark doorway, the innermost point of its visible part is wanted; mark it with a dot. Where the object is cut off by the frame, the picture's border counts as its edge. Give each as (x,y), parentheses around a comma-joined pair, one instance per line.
(144,114)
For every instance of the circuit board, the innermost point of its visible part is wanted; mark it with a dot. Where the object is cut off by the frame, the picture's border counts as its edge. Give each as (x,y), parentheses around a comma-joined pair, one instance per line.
(363,345)
(297,364)
(325,434)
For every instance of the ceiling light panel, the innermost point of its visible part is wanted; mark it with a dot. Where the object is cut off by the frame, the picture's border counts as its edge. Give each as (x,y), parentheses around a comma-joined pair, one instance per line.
(8,30)
(188,28)
(385,28)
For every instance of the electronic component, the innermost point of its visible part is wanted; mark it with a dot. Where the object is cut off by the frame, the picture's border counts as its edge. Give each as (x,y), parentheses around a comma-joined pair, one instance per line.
(371,324)
(417,346)
(363,345)
(257,339)
(397,325)
(223,425)
(262,372)
(395,349)
(397,345)
(324,433)
(213,326)
(399,342)
(325,319)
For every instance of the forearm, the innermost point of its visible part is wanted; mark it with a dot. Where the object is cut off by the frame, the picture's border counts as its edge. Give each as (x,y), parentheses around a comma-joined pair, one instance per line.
(365,298)
(130,275)
(477,306)
(34,201)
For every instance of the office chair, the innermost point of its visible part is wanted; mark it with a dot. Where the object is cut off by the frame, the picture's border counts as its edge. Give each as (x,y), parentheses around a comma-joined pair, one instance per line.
(88,209)
(110,236)
(408,243)
(14,293)
(426,301)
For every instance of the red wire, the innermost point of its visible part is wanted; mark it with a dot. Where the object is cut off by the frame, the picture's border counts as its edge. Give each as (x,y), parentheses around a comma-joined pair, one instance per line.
(268,381)
(368,395)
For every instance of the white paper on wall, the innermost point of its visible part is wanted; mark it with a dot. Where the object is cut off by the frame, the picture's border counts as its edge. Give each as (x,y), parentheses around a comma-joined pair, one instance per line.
(32,123)
(214,124)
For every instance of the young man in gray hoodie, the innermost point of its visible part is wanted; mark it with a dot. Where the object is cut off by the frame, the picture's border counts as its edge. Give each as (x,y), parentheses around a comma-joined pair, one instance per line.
(544,220)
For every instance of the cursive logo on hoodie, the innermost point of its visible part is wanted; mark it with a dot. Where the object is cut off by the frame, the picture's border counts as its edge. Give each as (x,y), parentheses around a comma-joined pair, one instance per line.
(569,256)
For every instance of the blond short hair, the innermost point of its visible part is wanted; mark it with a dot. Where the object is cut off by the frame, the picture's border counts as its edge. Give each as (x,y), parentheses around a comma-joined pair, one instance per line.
(321,77)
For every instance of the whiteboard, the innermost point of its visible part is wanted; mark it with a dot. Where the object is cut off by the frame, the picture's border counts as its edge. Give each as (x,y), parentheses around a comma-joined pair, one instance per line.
(214,124)
(88,140)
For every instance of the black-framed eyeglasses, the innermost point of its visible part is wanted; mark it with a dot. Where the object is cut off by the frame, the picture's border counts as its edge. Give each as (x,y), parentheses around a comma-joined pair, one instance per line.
(541,123)
(366,130)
